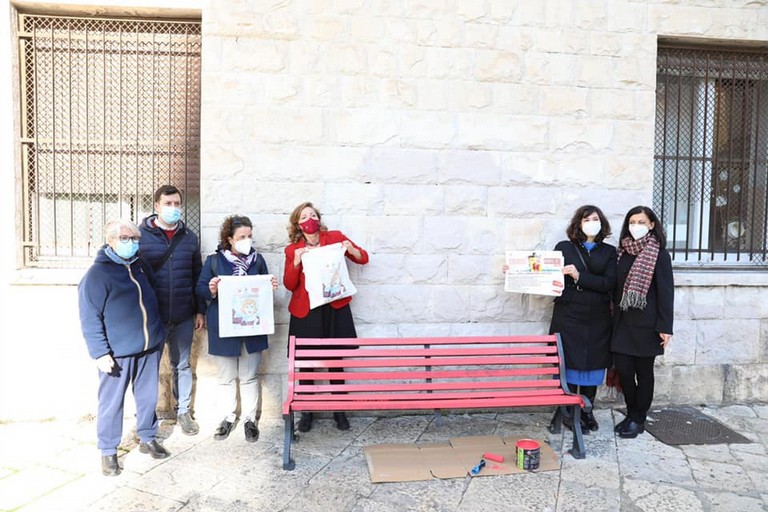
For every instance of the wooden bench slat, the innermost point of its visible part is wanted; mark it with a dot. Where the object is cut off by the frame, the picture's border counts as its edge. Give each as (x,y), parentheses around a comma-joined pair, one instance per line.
(405,362)
(424,352)
(424,386)
(442,395)
(428,374)
(434,403)
(459,340)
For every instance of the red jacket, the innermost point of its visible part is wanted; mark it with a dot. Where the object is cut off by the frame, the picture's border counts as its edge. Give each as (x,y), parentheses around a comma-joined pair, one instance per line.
(294,276)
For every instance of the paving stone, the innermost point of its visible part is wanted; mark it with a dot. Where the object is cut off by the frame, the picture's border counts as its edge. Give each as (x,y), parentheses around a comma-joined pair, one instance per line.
(529,491)
(659,497)
(730,502)
(425,496)
(578,497)
(132,500)
(24,486)
(720,475)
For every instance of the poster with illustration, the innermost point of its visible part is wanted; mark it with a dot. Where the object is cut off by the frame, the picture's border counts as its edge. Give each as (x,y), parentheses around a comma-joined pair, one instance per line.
(245,306)
(326,277)
(535,272)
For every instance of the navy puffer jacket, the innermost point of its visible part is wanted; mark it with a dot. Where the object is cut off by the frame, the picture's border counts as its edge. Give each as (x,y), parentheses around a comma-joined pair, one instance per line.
(175,280)
(118,308)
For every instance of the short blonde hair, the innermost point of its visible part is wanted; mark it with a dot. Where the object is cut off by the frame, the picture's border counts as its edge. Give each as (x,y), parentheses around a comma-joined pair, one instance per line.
(112,228)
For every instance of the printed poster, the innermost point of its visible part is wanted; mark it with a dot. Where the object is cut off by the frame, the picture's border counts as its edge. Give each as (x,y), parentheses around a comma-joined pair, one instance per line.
(245,306)
(535,272)
(326,276)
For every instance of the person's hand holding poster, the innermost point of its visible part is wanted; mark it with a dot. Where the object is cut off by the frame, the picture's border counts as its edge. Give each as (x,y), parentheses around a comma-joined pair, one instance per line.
(245,306)
(535,272)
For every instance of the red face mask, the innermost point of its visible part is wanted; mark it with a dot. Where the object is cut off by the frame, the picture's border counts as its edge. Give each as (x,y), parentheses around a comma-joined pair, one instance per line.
(310,226)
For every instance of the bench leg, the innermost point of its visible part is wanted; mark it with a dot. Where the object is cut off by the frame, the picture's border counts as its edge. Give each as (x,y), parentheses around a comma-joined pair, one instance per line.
(557,421)
(438,418)
(578,451)
(288,463)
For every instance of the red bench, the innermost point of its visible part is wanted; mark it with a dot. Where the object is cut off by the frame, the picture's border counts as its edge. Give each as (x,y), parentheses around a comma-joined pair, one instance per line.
(398,374)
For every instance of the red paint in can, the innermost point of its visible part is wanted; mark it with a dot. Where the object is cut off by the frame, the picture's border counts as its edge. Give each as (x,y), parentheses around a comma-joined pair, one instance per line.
(528,454)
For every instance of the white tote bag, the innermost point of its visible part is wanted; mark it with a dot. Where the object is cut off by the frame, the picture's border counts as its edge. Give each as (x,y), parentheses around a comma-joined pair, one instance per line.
(326,277)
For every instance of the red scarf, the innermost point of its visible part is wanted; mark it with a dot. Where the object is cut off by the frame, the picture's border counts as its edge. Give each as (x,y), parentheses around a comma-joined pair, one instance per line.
(640,275)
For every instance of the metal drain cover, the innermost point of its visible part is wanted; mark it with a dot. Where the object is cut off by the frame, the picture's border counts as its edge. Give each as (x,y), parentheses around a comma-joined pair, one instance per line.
(688,425)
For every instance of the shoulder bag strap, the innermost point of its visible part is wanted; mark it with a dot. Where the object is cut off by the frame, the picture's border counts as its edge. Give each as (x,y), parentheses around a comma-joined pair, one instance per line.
(174,242)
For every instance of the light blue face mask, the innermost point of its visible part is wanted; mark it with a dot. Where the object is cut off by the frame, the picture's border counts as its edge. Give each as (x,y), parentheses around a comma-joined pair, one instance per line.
(170,214)
(127,250)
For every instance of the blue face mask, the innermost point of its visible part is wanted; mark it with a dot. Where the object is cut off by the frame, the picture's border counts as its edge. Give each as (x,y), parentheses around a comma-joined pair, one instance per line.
(170,214)
(127,250)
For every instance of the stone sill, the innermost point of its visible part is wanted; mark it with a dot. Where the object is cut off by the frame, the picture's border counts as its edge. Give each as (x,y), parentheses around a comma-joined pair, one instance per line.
(47,277)
(731,277)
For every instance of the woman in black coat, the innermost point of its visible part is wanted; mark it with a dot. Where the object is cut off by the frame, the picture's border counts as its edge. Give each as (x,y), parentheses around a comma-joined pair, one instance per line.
(582,314)
(642,326)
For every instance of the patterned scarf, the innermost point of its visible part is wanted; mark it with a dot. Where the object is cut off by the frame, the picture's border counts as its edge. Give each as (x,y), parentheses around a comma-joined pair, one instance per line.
(241,264)
(641,273)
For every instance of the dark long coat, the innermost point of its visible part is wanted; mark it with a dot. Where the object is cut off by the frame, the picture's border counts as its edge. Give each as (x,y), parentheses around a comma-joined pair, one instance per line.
(636,331)
(582,315)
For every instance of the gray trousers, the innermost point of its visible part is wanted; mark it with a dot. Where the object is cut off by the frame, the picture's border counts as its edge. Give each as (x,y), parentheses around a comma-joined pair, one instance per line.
(245,369)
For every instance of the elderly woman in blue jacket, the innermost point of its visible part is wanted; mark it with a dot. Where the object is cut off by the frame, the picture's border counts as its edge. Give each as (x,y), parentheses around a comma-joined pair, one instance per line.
(122,329)
(238,357)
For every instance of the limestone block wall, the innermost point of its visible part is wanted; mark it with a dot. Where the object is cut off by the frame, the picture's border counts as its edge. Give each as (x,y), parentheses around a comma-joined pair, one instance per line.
(440,133)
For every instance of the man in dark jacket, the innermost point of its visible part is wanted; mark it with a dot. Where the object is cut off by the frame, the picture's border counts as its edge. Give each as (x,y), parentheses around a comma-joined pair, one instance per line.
(123,332)
(173,252)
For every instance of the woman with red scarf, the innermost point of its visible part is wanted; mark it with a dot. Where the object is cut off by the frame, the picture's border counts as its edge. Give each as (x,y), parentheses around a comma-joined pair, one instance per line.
(642,326)
(332,320)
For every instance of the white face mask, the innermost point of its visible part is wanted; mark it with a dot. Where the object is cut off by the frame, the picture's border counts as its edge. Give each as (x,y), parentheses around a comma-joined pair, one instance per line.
(243,246)
(591,227)
(638,231)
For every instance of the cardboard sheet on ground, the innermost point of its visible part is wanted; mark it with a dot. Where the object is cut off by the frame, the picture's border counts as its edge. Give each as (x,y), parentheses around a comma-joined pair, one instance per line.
(454,459)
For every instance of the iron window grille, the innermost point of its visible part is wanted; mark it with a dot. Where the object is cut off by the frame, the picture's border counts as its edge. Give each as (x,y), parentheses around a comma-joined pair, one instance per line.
(711,155)
(110,111)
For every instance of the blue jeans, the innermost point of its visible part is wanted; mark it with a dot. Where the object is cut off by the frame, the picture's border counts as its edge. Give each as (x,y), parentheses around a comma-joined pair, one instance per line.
(179,339)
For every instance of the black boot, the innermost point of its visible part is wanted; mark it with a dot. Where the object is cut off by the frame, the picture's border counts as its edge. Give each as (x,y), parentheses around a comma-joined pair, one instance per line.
(589,421)
(342,423)
(305,423)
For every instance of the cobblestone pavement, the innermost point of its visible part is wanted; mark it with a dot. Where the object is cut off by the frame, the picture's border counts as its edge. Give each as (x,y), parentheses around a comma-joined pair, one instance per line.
(55,466)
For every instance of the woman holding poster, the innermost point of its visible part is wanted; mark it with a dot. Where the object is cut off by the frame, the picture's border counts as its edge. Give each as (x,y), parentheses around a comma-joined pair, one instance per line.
(237,355)
(333,319)
(582,314)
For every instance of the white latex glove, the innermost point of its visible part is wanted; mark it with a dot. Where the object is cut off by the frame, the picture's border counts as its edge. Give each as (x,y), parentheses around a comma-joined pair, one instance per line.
(105,363)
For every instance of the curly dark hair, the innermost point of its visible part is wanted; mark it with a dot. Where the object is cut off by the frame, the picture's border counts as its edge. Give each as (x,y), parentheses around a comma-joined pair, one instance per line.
(294,231)
(228,228)
(658,230)
(574,232)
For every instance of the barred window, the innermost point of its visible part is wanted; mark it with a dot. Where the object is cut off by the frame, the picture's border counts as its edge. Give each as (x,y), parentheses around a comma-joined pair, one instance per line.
(711,154)
(110,111)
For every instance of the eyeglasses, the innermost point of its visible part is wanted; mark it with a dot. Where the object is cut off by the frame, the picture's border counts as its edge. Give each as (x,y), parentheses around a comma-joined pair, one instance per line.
(126,238)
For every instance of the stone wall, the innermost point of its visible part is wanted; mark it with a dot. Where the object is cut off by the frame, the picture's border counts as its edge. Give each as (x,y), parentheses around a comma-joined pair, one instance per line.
(438,134)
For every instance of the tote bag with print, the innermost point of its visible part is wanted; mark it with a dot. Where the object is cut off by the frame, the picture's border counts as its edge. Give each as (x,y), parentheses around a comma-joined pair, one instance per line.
(326,277)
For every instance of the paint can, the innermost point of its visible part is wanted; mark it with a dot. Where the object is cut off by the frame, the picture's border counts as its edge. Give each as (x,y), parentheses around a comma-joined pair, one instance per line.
(528,454)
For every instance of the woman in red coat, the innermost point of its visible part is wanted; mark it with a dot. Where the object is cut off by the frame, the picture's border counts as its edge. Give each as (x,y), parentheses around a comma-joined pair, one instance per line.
(333,320)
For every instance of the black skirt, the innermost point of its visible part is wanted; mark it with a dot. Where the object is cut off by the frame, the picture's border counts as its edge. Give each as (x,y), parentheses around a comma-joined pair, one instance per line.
(325,322)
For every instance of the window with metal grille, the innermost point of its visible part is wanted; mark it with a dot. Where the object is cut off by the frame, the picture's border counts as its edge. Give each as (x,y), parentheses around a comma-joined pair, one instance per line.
(711,154)
(110,111)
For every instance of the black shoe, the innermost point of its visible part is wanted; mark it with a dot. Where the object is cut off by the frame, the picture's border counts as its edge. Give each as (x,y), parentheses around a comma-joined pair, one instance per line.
(251,431)
(223,430)
(188,425)
(569,425)
(109,465)
(621,425)
(155,449)
(631,430)
(342,423)
(588,420)
(305,423)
